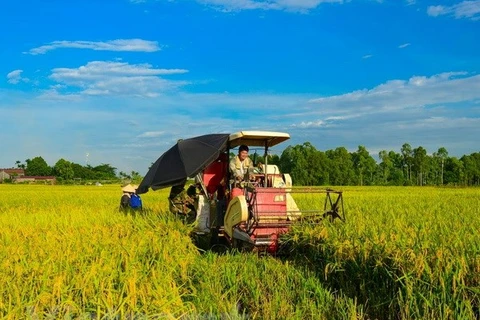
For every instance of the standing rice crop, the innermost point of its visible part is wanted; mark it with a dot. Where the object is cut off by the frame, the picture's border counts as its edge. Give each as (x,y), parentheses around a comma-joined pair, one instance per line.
(67,252)
(404,252)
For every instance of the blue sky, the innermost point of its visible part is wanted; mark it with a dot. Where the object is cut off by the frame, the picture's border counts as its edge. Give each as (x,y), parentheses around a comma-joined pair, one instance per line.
(122,80)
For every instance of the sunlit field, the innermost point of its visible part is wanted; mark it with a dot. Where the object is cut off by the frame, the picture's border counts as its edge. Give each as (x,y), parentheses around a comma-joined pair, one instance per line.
(403,253)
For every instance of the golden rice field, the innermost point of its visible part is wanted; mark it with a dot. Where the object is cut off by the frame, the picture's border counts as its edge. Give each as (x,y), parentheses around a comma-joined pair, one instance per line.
(403,253)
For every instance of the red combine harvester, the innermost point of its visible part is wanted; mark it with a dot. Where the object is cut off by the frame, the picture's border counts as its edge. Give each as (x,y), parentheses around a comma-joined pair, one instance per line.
(253,214)
(260,210)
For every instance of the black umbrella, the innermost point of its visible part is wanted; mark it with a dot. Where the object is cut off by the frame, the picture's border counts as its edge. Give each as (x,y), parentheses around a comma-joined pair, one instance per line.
(185,159)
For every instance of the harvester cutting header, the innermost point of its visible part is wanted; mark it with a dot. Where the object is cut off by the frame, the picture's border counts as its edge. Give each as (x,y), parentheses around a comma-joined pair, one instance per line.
(246,203)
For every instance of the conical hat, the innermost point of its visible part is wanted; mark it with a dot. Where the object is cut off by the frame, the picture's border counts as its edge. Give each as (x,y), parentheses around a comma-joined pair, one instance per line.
(129,188)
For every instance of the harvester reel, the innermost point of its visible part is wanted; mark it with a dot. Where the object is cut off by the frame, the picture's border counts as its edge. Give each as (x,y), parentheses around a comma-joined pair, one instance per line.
(334,208)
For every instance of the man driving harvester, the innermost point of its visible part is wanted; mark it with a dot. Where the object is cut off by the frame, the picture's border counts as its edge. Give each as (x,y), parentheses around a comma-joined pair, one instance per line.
(240,166)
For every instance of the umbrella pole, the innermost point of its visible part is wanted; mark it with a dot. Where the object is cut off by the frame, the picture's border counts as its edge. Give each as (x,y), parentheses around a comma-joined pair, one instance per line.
(200,180)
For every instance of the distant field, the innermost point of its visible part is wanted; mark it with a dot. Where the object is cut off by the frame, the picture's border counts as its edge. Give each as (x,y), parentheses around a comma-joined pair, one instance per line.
(403,253)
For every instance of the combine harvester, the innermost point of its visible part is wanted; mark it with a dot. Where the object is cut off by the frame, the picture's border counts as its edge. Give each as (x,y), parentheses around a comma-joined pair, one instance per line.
(252,216)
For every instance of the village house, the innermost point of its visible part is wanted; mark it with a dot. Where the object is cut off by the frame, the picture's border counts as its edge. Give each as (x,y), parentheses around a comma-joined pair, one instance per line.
(34,179)
(11,174)
(18,176)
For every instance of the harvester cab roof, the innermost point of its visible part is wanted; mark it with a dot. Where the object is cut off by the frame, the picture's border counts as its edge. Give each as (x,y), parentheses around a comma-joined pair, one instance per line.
(257,138)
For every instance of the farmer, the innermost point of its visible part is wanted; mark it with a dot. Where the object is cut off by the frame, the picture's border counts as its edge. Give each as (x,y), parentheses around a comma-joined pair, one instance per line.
(240,165)
(182,202)
(129,199)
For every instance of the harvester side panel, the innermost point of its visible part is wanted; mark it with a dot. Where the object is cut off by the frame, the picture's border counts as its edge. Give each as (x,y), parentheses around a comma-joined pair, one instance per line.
(270,217)
(270,205)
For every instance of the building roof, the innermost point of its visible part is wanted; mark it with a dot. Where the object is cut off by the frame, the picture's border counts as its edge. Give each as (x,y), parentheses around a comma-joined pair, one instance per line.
(13,170)
(37,177)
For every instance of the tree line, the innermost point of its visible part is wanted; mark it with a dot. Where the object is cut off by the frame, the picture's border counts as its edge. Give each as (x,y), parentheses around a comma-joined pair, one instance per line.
(411,166)
(65,170)
(311,167)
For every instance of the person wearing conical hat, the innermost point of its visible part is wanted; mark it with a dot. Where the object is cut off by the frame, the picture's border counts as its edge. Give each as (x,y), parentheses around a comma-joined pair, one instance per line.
(128,191)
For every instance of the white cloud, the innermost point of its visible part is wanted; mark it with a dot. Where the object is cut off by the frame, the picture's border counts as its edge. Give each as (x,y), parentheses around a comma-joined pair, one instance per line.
(288,5)
(418,91)
(151,134)
(137,45)
(403,45)
(117,78)
(310,124)
(53,94)
(411,2)
(15,77)
(435,11)
(424,90)
(367,56)
(464,9)
(327,122)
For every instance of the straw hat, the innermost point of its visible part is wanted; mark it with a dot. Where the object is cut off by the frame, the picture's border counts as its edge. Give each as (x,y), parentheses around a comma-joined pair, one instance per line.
(130,188)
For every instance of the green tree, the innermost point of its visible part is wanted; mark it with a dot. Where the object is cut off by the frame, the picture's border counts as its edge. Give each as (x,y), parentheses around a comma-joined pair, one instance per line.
(397,159)
(317,164)
(63,169)
(104,171)
(364,164)
(341,170)
(439,158)
(37,167)
(471,165)
(136,177)
(386,165)
(407,155)
(420,161)
(81,172)
(292,161)
(123,175)
(305,164)
(454,171)
(20,165)
(274,159)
